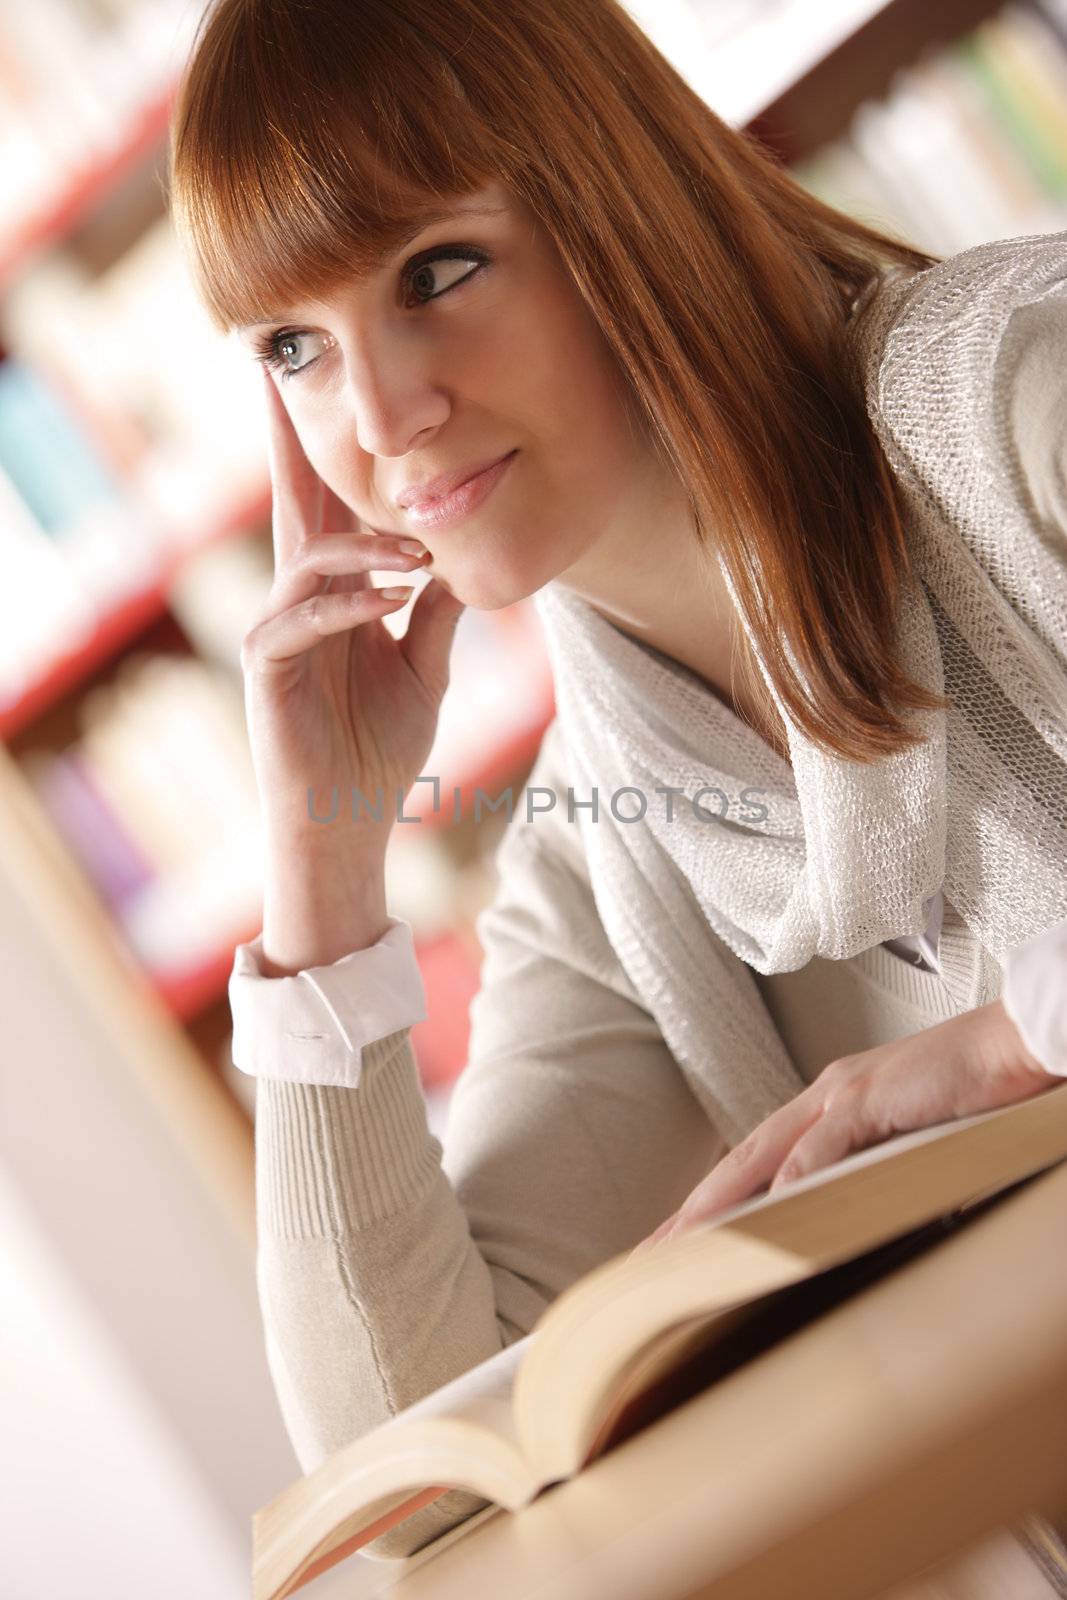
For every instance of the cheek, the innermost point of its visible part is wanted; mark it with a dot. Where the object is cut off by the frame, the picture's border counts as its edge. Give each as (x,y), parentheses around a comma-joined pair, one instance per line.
(329,452)
(569,388)
(317,438)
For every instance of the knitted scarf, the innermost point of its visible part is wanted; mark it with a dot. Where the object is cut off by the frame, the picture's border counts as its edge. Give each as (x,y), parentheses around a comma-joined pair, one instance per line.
(755,862)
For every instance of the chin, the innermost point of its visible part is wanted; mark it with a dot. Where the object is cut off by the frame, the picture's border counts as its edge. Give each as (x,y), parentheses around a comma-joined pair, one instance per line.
(489,591)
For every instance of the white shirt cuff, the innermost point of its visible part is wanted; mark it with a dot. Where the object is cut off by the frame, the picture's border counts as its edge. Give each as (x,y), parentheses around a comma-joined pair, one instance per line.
(1034,993)
(311,1027)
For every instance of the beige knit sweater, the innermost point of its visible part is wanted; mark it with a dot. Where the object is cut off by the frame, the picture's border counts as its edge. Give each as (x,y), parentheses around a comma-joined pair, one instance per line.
(388,1264)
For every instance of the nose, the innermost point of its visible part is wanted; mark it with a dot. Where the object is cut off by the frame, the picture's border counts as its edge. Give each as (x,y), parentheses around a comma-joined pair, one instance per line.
(395,396)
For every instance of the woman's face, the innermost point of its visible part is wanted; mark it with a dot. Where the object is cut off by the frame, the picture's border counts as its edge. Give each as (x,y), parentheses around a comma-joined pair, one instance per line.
(428,367)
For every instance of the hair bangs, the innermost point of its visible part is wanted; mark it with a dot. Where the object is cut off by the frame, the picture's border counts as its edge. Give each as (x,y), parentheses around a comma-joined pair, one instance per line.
(297,163)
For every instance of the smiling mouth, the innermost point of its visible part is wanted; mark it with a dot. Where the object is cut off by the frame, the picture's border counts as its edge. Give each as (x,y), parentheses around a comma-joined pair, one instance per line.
(415,499)
(460,501)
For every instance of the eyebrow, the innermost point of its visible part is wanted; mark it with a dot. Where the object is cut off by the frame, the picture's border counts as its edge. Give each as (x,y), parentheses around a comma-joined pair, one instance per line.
(429,219)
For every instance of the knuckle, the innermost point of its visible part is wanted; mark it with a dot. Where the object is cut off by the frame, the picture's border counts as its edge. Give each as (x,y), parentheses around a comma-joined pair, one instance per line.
(743,1153)
(314,611)
(846,1095)
(837,1075)
(299,563)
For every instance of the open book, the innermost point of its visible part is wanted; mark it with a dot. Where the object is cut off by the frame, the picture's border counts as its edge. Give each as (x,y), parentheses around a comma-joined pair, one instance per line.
(640,1334)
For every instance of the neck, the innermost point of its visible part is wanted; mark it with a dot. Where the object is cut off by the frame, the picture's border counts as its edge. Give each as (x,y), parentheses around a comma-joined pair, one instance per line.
(668,592)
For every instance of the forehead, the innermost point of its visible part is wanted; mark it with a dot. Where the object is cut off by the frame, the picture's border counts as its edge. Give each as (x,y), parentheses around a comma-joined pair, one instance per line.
(491,203)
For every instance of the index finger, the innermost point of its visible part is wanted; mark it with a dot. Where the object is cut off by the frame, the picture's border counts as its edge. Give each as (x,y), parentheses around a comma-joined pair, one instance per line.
(750,1165)
(296,488)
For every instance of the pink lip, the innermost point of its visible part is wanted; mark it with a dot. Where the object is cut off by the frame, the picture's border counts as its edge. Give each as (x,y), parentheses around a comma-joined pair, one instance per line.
(460,501)
(419,494)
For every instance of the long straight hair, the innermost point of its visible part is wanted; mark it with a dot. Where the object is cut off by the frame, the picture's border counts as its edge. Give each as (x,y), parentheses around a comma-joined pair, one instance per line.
(309,139)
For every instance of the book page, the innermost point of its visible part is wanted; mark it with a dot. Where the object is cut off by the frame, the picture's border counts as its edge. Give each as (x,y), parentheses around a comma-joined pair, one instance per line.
(477,1401)
(461,1435)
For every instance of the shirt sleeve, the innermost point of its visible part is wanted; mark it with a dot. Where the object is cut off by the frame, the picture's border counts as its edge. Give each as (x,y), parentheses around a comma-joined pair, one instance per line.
(1033,994)
(389,1263)
(312,1027)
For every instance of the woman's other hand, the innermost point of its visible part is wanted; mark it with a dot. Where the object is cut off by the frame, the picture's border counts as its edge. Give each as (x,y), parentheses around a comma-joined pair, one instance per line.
(972,1063)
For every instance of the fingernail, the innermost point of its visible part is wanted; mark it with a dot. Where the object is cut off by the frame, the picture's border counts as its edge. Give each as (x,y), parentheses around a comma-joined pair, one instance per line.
(397,592)
(412,547)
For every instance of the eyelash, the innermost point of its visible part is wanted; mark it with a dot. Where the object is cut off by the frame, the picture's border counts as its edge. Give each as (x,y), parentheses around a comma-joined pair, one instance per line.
(267,351)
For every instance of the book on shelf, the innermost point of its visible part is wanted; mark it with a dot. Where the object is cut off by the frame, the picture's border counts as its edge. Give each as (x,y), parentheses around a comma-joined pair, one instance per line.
(75,545)
(156,800)
(966,145)
(642,1333)
(42,606)
(65,784)
(75,79)
(1009,77)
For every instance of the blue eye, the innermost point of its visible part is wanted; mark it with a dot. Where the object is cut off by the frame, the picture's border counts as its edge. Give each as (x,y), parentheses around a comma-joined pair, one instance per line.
(285,350)
(278,351)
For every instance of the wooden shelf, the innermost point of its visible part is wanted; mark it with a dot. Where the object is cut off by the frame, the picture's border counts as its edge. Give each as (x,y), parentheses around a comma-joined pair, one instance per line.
(126,622)
(197,1109)
(76,198)
(111,634)
(819,106)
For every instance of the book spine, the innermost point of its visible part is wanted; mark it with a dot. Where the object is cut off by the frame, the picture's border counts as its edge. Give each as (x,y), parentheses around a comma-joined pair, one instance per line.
(105,850)
(1021,197)
(996,70)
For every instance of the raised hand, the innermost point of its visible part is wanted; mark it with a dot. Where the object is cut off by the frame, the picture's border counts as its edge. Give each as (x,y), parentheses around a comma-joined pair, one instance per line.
(331,698)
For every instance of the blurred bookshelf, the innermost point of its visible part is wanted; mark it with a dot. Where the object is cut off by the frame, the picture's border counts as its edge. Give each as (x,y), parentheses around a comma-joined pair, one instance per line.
(135,506)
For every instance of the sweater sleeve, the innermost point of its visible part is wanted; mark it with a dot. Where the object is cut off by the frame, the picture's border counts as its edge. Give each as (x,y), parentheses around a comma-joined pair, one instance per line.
(389,1263)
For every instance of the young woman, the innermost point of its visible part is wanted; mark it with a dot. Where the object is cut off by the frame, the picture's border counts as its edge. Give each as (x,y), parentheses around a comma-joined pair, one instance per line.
(521,296)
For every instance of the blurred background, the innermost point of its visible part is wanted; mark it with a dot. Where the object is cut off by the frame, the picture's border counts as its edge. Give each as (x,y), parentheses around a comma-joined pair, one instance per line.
(141,1429)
